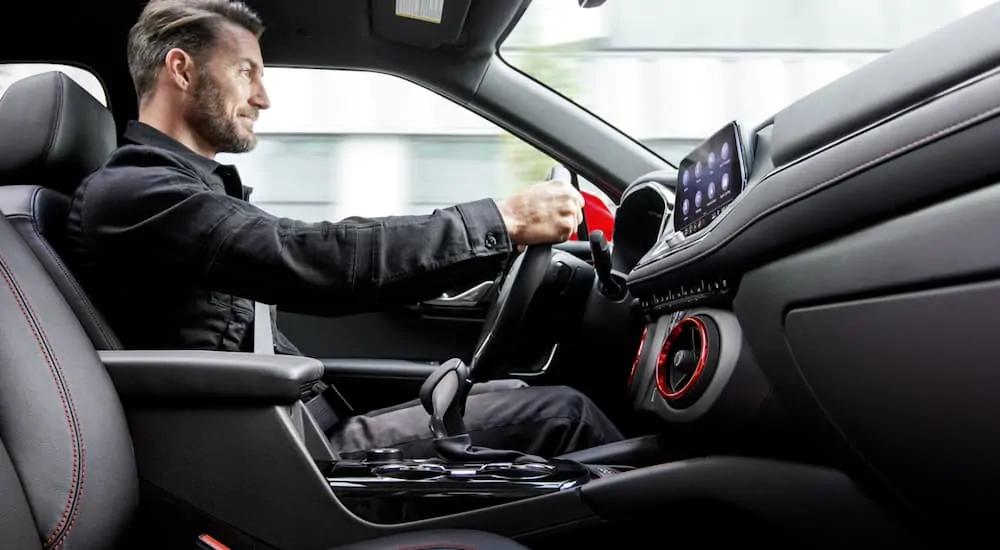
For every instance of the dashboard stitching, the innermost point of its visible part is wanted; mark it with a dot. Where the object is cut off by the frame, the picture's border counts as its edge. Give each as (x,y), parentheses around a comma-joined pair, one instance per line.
(878,123)
(844,175)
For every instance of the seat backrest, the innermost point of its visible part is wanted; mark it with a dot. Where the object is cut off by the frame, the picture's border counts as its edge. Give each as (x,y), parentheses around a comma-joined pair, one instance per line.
(67,471)
(53,134)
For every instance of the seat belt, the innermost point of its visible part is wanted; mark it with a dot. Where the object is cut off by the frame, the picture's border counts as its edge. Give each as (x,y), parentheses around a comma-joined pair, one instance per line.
(263,338)
(263,343)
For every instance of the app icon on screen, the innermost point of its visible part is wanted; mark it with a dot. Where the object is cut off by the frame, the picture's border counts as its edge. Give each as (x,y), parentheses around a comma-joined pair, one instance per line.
(725,182)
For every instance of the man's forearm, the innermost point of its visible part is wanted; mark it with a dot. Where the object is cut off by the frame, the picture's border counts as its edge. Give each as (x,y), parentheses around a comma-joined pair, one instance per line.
(363,264)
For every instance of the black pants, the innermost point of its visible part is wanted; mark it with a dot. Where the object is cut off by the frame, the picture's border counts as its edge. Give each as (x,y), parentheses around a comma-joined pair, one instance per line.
(545,421)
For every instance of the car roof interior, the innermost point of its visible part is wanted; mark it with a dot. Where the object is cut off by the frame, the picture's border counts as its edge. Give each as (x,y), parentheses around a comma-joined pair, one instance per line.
(309,33)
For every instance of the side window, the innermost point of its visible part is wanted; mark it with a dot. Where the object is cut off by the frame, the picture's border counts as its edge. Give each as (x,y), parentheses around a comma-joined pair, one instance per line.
(12,72)
(345,143)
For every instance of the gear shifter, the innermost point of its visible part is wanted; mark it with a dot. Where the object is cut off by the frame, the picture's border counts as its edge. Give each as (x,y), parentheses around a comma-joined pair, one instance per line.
(443,396)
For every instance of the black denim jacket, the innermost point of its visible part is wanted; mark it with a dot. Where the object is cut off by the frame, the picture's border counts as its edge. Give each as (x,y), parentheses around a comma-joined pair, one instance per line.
(172,253)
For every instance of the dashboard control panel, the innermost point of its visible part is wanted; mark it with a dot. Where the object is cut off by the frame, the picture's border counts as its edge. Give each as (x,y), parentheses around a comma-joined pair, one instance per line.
(697,293)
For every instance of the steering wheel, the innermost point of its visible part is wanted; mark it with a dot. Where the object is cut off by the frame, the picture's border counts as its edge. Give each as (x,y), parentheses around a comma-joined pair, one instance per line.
(504,318)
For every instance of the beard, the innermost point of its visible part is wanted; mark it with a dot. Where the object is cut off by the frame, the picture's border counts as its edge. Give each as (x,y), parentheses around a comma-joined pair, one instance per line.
(210,119)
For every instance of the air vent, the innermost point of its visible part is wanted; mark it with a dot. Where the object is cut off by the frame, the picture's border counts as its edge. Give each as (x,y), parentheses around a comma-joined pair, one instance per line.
(687,360)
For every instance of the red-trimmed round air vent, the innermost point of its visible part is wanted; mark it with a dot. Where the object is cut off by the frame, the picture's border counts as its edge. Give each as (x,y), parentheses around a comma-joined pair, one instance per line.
(638,357)
(687,360)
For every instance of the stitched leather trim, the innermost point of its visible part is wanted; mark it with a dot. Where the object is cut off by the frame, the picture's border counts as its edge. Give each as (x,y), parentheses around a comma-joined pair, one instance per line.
(68,518)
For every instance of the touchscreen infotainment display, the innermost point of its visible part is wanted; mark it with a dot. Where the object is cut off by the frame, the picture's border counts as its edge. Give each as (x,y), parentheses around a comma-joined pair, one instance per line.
(709,179)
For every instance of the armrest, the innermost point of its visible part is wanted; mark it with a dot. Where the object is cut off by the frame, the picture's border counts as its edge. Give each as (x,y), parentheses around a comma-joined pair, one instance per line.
(381,369)
(212,375)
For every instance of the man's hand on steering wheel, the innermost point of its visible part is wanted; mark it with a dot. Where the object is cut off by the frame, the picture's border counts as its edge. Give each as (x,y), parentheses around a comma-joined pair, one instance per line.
(545,213)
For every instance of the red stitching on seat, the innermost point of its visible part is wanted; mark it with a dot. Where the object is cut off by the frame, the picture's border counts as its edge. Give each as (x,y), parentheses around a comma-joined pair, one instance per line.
(54,539)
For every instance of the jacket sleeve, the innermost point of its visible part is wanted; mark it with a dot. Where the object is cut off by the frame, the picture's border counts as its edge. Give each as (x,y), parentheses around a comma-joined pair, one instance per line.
(172,229)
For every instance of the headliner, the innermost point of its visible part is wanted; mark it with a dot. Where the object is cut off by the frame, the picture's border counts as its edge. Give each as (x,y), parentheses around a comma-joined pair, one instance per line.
(300,33)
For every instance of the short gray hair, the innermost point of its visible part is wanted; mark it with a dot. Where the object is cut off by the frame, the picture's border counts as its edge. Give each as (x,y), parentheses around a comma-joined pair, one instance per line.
(190,25)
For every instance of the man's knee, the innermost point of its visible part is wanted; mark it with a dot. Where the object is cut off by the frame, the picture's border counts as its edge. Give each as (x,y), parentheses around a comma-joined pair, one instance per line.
(570,400)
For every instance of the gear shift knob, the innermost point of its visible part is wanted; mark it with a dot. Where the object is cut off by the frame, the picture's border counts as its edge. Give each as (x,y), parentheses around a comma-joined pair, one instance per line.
(443,396)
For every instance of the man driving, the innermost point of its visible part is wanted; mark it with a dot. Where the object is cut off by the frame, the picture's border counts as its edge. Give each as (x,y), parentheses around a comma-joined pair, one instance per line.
(165,242)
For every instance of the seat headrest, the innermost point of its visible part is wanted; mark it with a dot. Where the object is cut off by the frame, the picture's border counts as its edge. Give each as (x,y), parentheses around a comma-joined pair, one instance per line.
(53,133)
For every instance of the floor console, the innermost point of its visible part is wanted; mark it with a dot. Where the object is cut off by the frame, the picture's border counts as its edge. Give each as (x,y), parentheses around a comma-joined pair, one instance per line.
(384,488)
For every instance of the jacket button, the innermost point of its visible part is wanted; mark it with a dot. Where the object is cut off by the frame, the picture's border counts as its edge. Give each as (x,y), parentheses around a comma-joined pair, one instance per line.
(491,240)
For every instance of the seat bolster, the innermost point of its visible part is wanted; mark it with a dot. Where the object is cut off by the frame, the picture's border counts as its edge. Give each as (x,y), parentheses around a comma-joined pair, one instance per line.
(39,216)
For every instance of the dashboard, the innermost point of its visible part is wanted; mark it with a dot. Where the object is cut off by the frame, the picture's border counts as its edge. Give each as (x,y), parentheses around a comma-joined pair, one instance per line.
(865,223)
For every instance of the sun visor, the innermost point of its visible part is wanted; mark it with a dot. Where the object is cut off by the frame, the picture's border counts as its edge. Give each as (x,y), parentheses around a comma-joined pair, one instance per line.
(422,23)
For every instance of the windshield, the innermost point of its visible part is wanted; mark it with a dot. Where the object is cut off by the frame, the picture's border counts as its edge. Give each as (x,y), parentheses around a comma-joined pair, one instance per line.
(671,72)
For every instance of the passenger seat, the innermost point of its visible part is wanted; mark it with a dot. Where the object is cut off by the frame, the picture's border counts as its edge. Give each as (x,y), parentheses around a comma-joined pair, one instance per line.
(53,134)
(68,476)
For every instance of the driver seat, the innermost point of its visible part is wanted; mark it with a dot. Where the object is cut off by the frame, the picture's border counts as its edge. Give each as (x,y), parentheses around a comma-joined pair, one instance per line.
(67,470)
(53,134)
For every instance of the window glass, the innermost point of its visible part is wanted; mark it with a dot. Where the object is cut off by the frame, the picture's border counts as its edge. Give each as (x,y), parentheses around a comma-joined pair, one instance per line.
(336,144)
(674,71)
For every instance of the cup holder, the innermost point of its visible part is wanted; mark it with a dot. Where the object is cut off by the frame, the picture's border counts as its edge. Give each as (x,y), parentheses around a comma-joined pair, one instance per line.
(493,471)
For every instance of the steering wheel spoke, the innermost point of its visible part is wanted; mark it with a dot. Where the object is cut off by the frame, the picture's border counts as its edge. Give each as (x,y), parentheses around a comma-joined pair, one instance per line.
(503,321)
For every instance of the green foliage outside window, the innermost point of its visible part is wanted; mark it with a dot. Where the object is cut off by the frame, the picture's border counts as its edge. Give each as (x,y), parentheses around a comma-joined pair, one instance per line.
(550,66)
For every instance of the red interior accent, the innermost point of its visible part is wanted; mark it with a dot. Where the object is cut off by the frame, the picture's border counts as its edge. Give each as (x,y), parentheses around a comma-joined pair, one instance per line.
(598,216)
(212,543)
(638,354)
(661,371)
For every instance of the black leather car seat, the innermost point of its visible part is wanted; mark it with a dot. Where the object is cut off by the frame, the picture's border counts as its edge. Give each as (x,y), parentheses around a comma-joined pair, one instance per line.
(68,477)
(53,134)
(67,472)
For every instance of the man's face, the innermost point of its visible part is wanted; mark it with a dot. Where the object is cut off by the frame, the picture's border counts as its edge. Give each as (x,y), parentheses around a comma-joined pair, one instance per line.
(228,92)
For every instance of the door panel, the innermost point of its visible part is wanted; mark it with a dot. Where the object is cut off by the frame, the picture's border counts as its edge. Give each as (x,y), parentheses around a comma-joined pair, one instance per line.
(429,332)
(403,334)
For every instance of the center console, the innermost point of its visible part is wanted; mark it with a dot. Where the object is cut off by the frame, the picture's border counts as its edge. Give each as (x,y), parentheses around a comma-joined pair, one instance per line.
(692,362)
(225,445)
(384,488)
